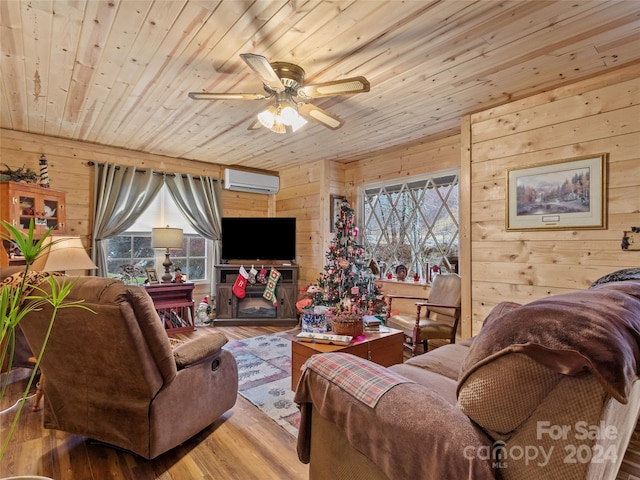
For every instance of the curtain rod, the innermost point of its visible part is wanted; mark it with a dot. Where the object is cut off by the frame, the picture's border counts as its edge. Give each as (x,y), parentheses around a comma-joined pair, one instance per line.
(91,163)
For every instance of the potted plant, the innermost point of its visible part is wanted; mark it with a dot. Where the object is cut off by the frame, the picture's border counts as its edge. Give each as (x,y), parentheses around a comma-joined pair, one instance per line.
(21,298)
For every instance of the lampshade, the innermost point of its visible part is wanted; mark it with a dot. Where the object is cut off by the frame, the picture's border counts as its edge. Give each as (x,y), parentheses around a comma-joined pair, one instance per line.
(268,116)
(63,254)
(166,238)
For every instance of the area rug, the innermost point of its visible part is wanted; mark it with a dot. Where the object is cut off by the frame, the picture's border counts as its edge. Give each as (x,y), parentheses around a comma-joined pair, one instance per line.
(264,376)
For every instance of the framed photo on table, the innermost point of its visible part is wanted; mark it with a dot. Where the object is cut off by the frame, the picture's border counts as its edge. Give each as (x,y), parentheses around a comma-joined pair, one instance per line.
(563,195)
(336,201)
(152,276)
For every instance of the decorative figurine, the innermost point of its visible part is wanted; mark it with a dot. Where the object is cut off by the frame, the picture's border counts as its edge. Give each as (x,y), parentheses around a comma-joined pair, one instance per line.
(178,275)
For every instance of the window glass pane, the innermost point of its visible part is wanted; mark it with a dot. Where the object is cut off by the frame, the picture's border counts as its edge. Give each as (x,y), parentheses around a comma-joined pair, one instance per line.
(120,247)
(197,268)
(415,224)
(197,247)
(142,247)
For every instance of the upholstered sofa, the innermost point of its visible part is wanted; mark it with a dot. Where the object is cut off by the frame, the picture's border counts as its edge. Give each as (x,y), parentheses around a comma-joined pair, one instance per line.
(546,390)
(112,375)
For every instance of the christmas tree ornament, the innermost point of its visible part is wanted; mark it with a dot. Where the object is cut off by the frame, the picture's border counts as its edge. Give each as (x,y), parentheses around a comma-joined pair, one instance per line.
(270,290)
(241,283)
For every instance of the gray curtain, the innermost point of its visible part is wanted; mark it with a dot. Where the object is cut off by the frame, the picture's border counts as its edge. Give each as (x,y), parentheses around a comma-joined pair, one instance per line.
(199,200)
(121,194)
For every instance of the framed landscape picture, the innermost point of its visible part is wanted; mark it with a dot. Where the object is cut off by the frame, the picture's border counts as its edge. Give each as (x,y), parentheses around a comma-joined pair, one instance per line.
(562,195)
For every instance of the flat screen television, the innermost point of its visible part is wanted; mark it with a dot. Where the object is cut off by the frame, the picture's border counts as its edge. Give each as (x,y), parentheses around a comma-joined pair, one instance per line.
(259,239)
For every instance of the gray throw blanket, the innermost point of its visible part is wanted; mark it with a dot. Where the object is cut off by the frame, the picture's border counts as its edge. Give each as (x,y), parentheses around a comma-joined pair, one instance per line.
(595,330)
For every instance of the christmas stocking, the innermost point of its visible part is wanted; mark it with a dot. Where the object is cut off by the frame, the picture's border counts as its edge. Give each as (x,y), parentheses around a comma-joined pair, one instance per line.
(270,290)
(262,275)
(252,275)
(241,283)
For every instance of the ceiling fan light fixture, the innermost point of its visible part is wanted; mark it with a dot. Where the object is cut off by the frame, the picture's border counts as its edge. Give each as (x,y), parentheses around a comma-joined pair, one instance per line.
(268,117)
(288,115)
(284,82)
(278,128)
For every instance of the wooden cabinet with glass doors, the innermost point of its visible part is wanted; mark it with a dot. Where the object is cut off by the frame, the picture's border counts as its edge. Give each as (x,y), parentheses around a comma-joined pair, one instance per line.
(22,202)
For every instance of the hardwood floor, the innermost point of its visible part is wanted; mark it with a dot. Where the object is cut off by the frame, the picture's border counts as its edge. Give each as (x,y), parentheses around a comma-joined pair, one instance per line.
(243,444)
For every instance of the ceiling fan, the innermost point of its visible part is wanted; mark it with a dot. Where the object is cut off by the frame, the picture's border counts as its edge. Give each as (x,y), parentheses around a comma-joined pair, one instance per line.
(285,83)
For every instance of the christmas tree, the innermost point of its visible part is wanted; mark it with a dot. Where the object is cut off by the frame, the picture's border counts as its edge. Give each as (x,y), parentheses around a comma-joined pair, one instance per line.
(347,282)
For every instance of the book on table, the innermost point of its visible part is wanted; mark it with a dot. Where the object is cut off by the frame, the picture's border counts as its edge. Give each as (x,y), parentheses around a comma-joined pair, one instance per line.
(324,338)
(371,323)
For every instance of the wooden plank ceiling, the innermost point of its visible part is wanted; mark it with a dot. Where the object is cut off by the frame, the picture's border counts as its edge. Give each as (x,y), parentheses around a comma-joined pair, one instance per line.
(117,72)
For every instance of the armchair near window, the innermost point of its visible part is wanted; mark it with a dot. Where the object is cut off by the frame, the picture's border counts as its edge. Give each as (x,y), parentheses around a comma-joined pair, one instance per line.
(113,377)
(436,317)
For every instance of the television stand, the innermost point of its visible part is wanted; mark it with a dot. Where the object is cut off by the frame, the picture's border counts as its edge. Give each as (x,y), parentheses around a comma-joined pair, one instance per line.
(253,309)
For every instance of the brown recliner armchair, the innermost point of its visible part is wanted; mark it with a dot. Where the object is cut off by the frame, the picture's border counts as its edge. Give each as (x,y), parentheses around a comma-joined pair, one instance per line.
(436,317)
(112,375)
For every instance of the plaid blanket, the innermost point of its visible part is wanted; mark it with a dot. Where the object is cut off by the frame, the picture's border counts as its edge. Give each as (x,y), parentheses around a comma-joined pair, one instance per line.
(366,383)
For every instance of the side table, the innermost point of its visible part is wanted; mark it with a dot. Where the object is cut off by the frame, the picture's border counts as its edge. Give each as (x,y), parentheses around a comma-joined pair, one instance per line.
(174,303)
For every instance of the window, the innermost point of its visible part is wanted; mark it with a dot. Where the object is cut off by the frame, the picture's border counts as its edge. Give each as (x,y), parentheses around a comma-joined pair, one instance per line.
(414,223)
(130,254)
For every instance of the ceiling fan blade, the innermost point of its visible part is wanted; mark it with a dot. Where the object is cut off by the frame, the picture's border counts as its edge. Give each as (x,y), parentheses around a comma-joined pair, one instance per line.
(261,66)
(319,115)
(226,96)
(345,86)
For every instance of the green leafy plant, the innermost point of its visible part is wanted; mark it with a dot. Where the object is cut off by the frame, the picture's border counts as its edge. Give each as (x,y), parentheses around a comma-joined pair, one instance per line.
(16,303)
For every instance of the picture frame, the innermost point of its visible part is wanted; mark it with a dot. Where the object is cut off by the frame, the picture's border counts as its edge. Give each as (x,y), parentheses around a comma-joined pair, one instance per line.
(152,276)
(566,194)
(336,201)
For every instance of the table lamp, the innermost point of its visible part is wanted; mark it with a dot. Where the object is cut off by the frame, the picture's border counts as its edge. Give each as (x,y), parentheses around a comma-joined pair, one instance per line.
(63,254)
(166,238)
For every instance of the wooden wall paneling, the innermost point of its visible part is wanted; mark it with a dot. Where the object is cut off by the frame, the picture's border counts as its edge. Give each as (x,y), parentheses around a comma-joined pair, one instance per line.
(244,204)
(608,99)
(592,252)
(72,152)
(464,235)
(587,118)
(571,132)
(301,196)
(405,162)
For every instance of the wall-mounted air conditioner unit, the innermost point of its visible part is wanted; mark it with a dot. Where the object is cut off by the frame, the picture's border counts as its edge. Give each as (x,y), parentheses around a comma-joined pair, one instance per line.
(250,182)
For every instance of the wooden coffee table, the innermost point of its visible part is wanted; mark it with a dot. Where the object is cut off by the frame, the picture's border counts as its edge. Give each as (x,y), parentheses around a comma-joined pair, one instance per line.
(384,348)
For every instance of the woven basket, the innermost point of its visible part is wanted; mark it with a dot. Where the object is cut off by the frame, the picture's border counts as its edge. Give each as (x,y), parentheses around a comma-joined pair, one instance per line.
(351,326)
